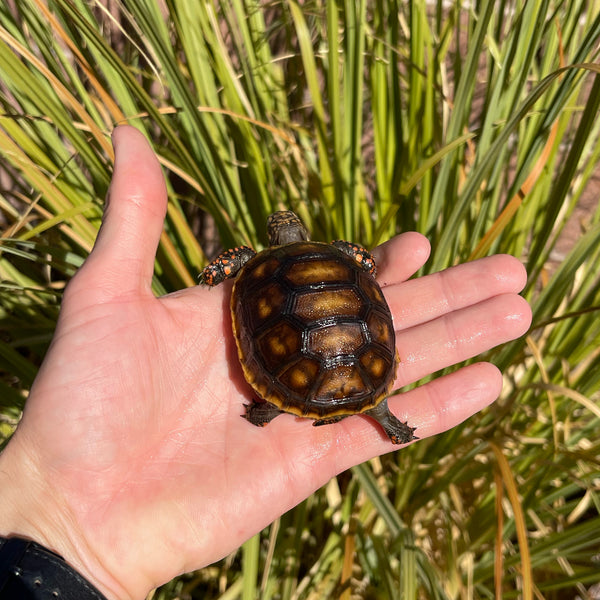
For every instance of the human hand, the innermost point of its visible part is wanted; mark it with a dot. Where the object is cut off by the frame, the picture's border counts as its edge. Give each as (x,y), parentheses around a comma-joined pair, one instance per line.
(132,460)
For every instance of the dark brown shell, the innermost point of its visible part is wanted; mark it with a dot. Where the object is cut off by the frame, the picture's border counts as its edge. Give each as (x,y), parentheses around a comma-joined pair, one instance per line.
(314,333)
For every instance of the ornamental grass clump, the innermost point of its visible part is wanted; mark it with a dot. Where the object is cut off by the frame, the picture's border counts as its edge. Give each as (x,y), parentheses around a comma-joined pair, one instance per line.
(476,125)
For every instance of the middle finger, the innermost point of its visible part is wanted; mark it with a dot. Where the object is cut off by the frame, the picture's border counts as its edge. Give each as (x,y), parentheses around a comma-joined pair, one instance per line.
(425,298)
(459,335)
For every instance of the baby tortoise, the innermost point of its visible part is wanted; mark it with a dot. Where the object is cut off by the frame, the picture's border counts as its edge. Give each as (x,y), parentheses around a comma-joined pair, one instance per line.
(314,334)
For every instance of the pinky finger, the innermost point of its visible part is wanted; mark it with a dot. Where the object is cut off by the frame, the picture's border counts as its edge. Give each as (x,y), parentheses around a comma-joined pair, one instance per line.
(431,408)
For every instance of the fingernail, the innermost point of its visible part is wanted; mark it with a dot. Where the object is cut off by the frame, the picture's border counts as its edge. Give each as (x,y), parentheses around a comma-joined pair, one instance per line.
(115,137)
(116,148)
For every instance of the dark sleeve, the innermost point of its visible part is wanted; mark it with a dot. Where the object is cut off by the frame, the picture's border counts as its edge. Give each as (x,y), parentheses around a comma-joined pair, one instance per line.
(29,571)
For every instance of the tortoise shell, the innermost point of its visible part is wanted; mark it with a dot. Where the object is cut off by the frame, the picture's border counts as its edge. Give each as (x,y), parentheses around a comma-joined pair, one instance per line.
(314,333)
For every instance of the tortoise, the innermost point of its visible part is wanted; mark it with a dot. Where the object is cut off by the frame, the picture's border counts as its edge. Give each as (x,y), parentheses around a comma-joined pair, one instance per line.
(314,333)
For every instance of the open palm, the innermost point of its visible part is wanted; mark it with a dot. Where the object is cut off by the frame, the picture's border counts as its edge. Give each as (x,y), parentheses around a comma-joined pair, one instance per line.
(132,453)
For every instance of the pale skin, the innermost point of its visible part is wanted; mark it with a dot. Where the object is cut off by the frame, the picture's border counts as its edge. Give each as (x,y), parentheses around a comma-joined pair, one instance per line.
(132,460)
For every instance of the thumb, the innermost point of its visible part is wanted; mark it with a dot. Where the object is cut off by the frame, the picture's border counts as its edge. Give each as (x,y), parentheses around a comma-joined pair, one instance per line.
(122,259)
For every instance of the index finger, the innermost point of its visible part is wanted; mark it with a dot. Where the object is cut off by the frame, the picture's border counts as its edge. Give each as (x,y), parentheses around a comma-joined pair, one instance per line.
(426,298)
(401,257)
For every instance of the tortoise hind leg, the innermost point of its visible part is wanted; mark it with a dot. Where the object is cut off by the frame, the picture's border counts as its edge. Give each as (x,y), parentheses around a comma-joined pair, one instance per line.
(396,430)
(261,413)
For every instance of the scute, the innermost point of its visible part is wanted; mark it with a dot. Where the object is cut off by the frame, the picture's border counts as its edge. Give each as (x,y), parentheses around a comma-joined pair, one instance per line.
(377,365)
(316,305)
(315,336)
(317,272)
(278,345)
(381,328)
(300,376)
(371,289)
(265,303)
(341,383)
(336,341)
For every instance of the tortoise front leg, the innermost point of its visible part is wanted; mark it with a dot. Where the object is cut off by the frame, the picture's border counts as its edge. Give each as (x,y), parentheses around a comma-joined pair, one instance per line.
(226,265)
(359,254)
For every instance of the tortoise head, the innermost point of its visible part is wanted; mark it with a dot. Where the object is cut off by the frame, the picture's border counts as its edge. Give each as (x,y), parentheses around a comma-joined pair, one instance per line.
(284,227)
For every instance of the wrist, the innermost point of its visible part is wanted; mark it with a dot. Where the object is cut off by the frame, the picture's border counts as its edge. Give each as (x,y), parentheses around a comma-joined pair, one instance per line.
(31,508)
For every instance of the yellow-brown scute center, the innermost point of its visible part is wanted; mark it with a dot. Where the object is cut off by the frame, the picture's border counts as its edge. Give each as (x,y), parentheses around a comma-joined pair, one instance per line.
(317,272)
(380,328)
(375,365)
(340,340)
(263,270)
(317,305)
(267,303)
(279,344)
(300,376)
(341,382)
